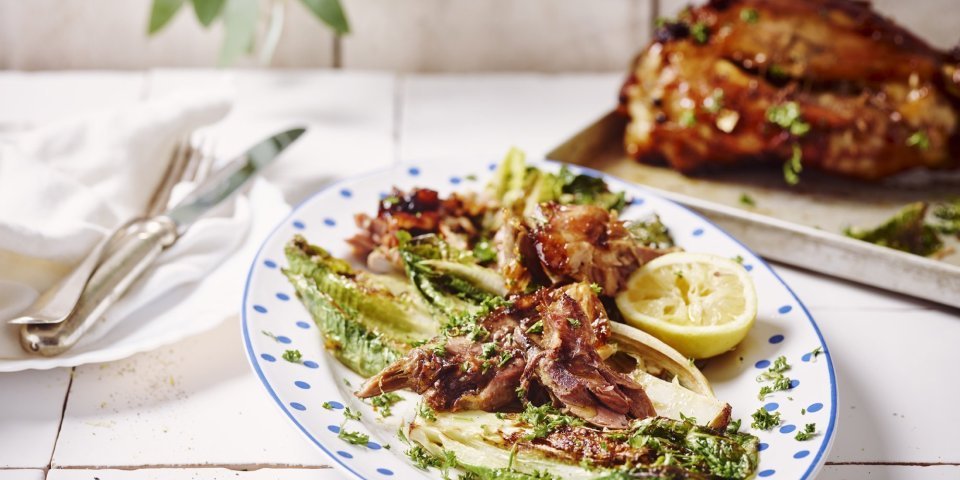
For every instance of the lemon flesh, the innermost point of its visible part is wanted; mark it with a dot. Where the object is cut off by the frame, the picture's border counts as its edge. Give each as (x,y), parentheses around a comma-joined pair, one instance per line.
(700,304)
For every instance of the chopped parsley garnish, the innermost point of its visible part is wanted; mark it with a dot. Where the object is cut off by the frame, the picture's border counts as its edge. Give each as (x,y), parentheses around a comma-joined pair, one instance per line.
(269,334)
(739,259)
(690,420)
(597,289)
(775,374)
(505,358)
(489,350)
(764,420)
(537,327)
(327,405)
(808,432)
(545,419)
(907,231)
(787,116)
(749,15)
(351,414)
(382,403)
(687,118)
(425,412)
(700,32)
(293,356)
(440,348)
(355,438)
(471,177)
(573,322)
(747,200)
(422,458)
(816,352)
(919,140)
(521,392)
(792,167)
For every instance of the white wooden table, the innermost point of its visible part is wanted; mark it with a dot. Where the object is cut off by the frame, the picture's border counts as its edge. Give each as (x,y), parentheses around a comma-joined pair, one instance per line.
(159,415)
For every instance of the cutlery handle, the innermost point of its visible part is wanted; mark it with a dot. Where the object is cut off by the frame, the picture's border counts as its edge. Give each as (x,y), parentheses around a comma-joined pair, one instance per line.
(129,256)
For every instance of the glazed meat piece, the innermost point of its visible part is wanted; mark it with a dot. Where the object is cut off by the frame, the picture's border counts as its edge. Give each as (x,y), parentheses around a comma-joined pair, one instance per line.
(586,243)
(569,243)
(545,343)
(420,211)
(827,84)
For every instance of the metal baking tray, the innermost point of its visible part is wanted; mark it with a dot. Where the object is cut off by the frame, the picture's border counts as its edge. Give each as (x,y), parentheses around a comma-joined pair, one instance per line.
(800,225)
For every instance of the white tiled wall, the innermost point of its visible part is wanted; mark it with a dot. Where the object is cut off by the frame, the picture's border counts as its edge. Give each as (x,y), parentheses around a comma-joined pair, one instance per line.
(403,35)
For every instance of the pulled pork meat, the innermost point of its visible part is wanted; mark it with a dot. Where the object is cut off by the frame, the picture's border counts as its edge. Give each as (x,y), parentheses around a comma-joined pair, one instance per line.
(420,211)
(564,243)
(542,348)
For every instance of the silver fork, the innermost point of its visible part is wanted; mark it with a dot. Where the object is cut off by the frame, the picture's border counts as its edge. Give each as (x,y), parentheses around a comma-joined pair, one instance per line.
(190,161)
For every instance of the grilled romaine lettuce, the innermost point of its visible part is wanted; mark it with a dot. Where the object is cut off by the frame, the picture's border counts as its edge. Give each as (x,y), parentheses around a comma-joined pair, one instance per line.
(448,279)
(521,188)
(367,320)
(506,446)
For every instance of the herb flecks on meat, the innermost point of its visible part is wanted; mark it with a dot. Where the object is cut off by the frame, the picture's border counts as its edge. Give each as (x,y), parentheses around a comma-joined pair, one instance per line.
(558,364)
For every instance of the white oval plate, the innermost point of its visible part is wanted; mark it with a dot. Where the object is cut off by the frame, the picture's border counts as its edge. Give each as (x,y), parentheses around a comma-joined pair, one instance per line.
(274,321)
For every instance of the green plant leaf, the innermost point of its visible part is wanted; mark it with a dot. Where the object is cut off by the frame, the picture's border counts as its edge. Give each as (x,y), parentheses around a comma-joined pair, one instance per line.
(240,24)
(161,12)
(207,10)
(331,13)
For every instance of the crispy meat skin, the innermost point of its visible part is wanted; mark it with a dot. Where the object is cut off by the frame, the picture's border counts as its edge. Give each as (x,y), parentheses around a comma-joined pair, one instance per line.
(863,84)
(559,364)
(586,243)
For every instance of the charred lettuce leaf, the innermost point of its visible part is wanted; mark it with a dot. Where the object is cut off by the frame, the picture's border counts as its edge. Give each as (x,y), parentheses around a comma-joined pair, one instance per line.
(907,231)
(367,321)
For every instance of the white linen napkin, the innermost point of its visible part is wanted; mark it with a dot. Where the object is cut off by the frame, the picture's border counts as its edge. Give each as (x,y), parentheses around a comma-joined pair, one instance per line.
(64,187)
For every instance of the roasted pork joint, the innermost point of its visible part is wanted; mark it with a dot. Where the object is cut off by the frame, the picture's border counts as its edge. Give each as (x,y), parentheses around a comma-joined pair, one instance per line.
(825,84)
(542,349)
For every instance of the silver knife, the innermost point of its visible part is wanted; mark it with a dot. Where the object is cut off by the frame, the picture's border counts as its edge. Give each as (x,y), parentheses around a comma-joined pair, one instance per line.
(142,241)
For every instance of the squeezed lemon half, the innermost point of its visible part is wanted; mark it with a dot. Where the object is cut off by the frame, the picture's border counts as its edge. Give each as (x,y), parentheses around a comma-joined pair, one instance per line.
(700,304)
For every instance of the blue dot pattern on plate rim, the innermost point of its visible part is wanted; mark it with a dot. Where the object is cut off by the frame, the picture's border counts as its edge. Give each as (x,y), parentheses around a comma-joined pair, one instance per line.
(335,405)
(346,193)
(270,263)
(698,232)
(748,267)
(303,325)
(299,225)
(762,364)
(283,339)
(801,454)
(297,406)
(785,309)
(344,454)
(373,446)
(762,446)
(815,407)
(385,471)
(776,338)
(310,364)
(766,473)
(414,171)
(794,383)
(302,384)
(455,180)
(788,428)
(260,308)
(283,296)
(268,357)
(334,428)
(771,406)
(329,222)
